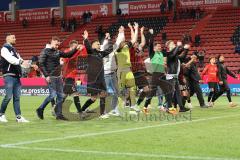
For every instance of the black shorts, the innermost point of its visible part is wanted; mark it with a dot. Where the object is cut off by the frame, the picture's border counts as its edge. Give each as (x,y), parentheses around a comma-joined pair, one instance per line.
(96,88)
(213,85)
(69,86)
(159,79)
(141,79)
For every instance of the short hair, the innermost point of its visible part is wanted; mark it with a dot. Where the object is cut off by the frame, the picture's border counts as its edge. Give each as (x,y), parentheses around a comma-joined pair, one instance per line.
(8,34)
(96,40)
(34,58)
(211,57)
(55,38)
(156,43)
(218,57)
(73,42)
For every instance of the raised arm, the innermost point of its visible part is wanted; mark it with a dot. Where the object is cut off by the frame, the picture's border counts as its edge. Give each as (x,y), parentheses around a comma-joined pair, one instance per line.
(174,51)
(173,54)
(87,43)
(109,49)
(105,42)
(143,40)
(134,34)
(183,55)
(131,30)
(68,54)
(120,38)
(151,41)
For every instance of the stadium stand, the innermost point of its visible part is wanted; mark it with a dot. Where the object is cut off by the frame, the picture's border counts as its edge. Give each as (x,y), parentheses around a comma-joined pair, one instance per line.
(216,36)
(31,40)
(236,36)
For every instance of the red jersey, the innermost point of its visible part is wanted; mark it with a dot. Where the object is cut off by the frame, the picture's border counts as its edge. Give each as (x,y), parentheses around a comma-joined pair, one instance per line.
(136,60)
(70,64)
(212,73)
(33,73)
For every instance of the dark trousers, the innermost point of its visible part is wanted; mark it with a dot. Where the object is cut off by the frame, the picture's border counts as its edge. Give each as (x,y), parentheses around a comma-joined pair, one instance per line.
(13,89)
(158,80)
(56,90)
(223,88)
(194,87)
(213,87)
(176,94)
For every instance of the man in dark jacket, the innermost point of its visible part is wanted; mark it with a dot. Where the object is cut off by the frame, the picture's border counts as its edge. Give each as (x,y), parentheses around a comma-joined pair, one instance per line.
(96,83)
(50,65)
(223,84)
(194,79)
(173,70)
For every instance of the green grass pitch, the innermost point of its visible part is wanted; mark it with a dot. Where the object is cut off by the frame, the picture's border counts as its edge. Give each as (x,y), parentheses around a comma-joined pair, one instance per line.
(206,134)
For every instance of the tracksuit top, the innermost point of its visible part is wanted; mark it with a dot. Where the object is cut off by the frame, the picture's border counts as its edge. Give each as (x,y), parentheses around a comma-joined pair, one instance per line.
(212,73)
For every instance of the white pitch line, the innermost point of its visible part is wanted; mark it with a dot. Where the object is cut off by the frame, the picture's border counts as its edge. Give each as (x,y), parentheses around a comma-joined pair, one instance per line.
(107,153)
(111,132)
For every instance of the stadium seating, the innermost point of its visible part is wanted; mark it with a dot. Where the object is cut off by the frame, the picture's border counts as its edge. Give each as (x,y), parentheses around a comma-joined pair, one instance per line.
(218,33)
(157,23)
(32,39)
(176,30)
(236,36)
(91,27)
(112,23)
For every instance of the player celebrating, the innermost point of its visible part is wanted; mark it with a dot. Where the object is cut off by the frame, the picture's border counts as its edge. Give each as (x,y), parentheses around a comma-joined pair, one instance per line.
(223,84)
(211,70)
(125,75)
(96,85)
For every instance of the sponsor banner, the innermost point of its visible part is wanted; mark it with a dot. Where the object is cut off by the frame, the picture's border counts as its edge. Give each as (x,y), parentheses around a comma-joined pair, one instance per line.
(204,3)
(1,17)
(235,88)
(30,91)
(30,87)
(184,3)
(217,2)
(42,82)
(96,10)
(43,90)
(34,14)
(140,7)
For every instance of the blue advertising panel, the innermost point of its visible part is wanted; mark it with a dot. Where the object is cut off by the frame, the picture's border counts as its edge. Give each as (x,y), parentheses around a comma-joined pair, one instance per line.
(235,88)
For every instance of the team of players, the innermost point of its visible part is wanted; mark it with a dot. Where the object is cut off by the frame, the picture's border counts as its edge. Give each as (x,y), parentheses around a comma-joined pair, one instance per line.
(119,70)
